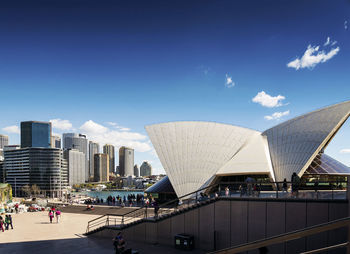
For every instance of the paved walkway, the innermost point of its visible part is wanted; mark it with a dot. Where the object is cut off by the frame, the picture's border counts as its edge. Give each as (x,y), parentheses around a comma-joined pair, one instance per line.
(33,233)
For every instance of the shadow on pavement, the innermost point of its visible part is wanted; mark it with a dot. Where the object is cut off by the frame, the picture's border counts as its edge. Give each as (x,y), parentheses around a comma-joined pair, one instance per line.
(83,245)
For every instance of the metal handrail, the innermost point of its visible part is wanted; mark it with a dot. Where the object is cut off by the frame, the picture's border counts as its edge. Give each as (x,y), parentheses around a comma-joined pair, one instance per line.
(95,221)
(286,236)
(341,245)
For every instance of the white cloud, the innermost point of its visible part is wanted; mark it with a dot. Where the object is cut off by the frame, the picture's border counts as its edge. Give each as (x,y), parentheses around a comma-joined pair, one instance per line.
(90,127)
(12,129)
(115,125)
(312,57)
(112,123)
(103,135)
(277,115)
(267,100)
(344,151)
(328,41)
(229,82)
(346,25)
(61,124)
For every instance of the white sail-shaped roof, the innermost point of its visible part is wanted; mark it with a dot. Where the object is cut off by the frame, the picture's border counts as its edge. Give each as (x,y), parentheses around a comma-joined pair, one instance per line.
(192,152)
(252,158)
(295,143)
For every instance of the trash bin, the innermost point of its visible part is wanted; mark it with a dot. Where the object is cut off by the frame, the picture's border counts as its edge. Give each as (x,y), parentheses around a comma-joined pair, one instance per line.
(184,242)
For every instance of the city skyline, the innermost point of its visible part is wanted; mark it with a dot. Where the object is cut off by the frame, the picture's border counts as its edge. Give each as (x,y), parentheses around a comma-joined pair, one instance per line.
(113,73)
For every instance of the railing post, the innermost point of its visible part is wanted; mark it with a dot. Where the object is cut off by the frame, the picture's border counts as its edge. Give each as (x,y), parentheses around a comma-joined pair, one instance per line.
(123,220)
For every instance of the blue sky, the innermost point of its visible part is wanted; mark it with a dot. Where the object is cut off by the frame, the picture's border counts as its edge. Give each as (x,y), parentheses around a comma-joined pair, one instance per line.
(108,68)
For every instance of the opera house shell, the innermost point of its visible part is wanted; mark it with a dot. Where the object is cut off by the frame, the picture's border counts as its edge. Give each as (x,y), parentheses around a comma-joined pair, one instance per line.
(195,153)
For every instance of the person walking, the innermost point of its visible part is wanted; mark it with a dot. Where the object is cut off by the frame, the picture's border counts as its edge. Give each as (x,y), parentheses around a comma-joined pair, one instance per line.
(58,216)
(10,220)
(284,185)
(295,184)
(50,215)
(227,191)
(7,222)
(2,224)
(156,208)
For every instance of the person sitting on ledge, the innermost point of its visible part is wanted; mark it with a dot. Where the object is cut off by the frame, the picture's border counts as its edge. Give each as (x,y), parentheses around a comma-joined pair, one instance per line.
(119,243)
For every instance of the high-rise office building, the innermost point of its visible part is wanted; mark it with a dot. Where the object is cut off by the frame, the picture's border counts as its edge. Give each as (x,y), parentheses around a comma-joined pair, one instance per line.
(55,142)
(109,149)
(146,169)
(35,134)
(44,167)
(79,142)
(4,141)
(136,171)
(76,166)
(101,170)
(94,148)
(126,161)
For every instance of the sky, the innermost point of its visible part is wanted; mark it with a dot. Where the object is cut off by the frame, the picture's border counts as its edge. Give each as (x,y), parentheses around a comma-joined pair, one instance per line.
(108,68)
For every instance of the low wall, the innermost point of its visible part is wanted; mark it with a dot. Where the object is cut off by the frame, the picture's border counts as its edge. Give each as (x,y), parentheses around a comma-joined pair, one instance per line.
(230,222)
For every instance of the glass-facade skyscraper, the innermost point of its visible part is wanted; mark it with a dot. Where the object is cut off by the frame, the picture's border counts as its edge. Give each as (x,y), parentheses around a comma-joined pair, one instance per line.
(35,134)
(79,142)
(126,161)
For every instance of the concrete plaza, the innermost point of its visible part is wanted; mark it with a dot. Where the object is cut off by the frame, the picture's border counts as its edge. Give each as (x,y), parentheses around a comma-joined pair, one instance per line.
(33,233)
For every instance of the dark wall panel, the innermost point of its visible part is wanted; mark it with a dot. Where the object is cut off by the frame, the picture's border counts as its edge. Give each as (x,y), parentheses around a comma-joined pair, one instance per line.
(275,219)
(337,236)
(256,220)
(191,225)
(317,213)
(164,232)
(238,221)
(128,233)
(151,233)
(222,224)
(140,232)
(295,219)
(206,227)
(239,225)
(178,224)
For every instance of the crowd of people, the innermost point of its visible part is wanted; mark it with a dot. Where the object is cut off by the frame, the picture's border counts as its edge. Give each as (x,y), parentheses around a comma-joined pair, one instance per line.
(129,200)
(6,223)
